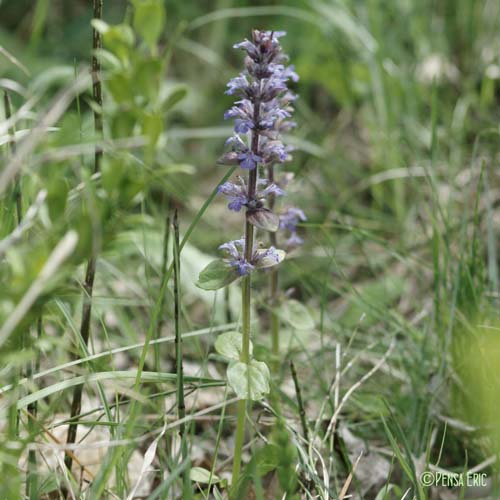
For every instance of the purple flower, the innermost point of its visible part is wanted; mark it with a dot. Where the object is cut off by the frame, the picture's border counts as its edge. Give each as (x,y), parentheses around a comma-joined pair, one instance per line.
(271,253)
(236,143)
(272,189)
(290,218)
(288,221)
(237,84)
(272,112)
(249,160)
(235,256)
(264,46)
(235,251)
(237,194)
(294,240)
(264,108)
(286,73)
(273,151)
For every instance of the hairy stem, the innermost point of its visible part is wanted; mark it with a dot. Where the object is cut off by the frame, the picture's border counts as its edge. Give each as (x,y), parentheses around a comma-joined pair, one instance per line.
(88,285)
(245,306)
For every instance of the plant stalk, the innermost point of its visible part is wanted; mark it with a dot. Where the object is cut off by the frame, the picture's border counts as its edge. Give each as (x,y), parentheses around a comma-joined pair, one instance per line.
(12,144)
(32,479)
(300,404)
(273,290)
(181,407)
(245,307)
(161,322)
(88,285)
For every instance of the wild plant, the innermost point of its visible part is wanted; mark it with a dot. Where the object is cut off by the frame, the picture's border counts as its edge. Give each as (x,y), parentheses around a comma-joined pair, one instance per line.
(260,115)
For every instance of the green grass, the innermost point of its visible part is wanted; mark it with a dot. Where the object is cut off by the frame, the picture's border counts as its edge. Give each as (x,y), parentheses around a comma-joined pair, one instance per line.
(395,164)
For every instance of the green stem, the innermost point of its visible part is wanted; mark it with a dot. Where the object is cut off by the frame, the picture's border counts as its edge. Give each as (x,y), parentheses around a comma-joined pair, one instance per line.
(181,406)
(275,321)
(32,480)
(245,358)
(238,441)
(12,144)
(246,299)
(300,404)
(164,269)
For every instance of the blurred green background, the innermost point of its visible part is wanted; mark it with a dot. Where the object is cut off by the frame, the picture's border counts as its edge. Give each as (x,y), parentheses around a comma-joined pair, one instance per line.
(395,162)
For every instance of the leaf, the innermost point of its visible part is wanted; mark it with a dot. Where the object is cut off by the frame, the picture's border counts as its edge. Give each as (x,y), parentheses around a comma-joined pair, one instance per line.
(149,20)
(267,459)
(149,456)
(152,126)
(202,476)
(383,493)
(173,97)
(100,26)
(297,315)
(216,275)
(266,262)
(108,59)
(229,345)
(263,219)
(249,381)
(147,76)
(118,38)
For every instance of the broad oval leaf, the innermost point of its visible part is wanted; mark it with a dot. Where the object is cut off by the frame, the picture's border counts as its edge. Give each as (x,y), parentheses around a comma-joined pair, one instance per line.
(202,476)
(296,314)
(270,261)
(249,381)
(263,218)
(229,345)
(149,20)
(216,275)
(100,26)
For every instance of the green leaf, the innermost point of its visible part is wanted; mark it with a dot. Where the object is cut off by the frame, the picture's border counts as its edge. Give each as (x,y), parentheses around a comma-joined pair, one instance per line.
(147,75)
(57,196)
(216,275)
(249,381)
(152,126)
(267,459)
(296,314)
(229,345)
(202,476)
(100,26)
(149,20)
(120,87)
(118,38)
(174,96)
(263,219)
(108,59)
(266,262)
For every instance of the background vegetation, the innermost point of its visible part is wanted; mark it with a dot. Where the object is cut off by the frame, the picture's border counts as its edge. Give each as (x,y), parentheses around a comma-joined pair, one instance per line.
(395,163)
